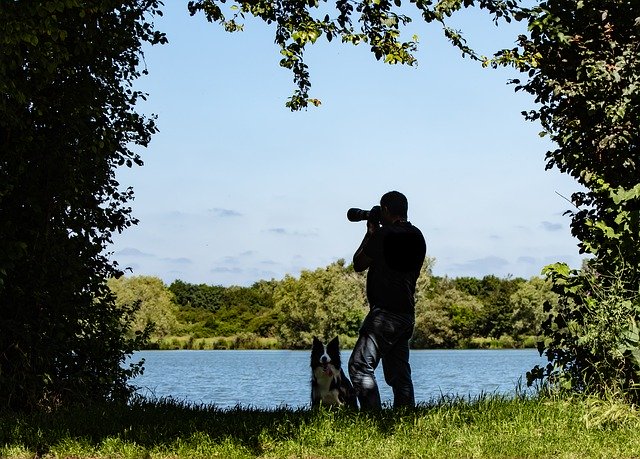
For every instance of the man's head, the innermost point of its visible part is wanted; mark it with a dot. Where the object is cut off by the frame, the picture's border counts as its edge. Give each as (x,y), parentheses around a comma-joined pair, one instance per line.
(394,206)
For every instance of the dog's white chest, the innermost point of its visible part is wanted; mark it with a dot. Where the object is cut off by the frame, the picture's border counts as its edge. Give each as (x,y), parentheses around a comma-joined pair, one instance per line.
(326,387)
(331,398)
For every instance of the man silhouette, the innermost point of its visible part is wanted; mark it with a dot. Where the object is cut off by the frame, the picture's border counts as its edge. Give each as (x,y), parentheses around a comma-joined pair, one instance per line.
(393,250)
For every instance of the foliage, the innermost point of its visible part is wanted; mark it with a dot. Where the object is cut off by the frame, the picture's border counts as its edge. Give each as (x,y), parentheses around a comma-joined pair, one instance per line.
(331,301)
(495,294)
(152,300)
(466,311)
(67,120)
(244,340)
(592,336)
(582,59)
(209,297)
(214,310)
(324,303)
(447,320)
(377,23)
(527,302)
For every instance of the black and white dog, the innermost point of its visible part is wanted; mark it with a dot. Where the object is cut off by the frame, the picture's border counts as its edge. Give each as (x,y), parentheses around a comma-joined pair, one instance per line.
(329,384)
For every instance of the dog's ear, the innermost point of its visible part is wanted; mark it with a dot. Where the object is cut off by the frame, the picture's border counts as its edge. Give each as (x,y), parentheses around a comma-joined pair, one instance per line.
(316,341)
(334,344)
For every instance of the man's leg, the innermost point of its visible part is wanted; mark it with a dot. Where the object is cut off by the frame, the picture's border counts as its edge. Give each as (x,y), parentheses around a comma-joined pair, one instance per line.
(397,372)
(362,364)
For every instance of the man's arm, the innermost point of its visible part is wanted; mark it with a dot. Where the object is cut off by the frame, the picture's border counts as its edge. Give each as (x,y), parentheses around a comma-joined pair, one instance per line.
(360,259)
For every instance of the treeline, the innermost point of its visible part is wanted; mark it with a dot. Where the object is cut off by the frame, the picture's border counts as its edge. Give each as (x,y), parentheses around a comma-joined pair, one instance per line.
(462,312)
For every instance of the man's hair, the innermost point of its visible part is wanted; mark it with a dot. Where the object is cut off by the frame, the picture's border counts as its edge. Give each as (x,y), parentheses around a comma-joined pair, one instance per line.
(396,203)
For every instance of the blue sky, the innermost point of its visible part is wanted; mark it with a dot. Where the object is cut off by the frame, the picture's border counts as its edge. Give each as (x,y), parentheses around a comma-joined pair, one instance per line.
(236,188)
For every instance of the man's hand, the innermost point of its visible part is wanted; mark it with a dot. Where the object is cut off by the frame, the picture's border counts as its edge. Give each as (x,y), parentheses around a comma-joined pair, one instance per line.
(372,227)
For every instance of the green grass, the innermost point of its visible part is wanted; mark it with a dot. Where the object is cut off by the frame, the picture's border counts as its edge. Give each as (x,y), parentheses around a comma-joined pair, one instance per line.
(251,341)
(242,341)
(487,427)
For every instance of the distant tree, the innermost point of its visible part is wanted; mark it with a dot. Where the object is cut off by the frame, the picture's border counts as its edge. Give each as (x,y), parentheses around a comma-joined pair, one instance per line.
(210,297)
(67,121)
(325,303)
(527,306)
(152,300)
(425,285)
(495,295)
(448,319)
(472,285)
(433,330)
(214,310)
(267,321)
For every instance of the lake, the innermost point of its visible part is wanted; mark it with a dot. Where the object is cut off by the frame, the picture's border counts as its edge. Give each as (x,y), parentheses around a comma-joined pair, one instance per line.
(268,379)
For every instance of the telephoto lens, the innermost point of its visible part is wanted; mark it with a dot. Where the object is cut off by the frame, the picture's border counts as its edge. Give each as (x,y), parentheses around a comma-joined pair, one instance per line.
(357,215)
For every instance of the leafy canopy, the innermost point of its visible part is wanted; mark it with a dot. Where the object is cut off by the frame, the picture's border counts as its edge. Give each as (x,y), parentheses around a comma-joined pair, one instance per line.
(377,23)
(67,121)
(582,60)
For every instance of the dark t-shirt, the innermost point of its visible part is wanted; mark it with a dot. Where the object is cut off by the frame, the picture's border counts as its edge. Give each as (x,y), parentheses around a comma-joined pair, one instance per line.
(397,251)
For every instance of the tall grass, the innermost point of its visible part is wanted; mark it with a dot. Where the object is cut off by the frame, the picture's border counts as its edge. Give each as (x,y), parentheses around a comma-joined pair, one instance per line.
(486,427)
(241,341)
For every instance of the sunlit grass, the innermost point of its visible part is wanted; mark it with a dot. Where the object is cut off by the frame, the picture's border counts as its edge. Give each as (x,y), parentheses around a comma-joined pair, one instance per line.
(485,427)
(242,341)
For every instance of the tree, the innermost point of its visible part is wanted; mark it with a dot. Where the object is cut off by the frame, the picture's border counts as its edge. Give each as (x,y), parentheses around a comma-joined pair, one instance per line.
(325,303)
(495,294)
(214,310)
(377,23)
(582,59)
(152,300)
(67,121)
(527,302)
(210,297)
(447,320)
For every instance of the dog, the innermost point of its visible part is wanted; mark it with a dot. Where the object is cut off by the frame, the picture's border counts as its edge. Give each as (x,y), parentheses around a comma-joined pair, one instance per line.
(329,385)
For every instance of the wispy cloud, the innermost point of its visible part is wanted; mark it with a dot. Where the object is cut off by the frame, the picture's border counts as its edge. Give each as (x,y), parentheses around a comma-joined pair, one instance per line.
(178,261)
(269,263)
(235,259)
(226,270)
(286,232)
(548,226)
(527,260)
(481,265)
(175,215)
(133,252)
(225,213)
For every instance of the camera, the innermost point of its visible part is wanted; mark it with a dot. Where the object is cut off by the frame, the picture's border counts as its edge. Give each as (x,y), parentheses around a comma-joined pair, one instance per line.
(357,215)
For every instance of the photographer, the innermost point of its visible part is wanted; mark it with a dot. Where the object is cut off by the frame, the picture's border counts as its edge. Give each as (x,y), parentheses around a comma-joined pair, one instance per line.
(393,251)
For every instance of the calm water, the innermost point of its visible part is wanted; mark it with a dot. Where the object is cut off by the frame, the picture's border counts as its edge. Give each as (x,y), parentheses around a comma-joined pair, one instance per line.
(270,379)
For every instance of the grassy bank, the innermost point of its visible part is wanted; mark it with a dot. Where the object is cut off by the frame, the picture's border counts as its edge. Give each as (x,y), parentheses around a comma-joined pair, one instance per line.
(488,427)
(242,341)
(247,341)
